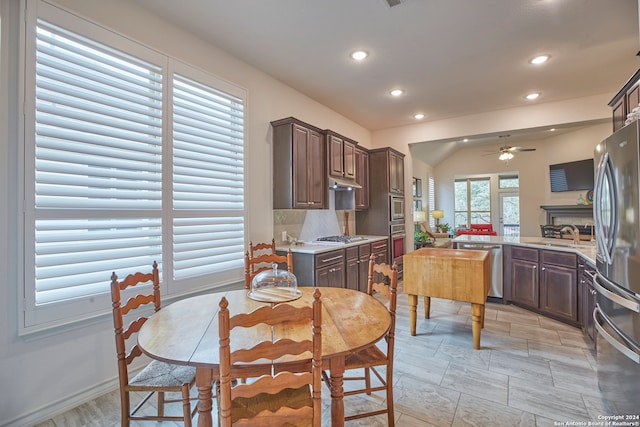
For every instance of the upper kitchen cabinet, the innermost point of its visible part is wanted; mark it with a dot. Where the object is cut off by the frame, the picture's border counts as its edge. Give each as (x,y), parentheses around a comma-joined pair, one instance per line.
(362,178)
(299,176)
(625,101)
(396,172)
(341,156)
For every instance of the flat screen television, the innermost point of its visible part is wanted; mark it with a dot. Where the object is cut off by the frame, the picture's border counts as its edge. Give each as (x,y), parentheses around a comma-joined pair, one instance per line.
(572,176)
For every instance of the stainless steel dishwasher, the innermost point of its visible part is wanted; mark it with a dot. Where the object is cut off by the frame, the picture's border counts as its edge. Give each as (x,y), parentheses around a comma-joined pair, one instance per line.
(495,252)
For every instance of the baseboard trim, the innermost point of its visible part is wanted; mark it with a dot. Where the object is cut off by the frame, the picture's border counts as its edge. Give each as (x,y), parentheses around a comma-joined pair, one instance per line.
(63,404)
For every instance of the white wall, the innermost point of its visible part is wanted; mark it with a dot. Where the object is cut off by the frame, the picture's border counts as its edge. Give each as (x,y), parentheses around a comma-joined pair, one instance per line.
(43,375)
(532,168)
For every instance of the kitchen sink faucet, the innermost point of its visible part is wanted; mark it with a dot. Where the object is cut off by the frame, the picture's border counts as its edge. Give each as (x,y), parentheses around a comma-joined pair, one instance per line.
(573,231)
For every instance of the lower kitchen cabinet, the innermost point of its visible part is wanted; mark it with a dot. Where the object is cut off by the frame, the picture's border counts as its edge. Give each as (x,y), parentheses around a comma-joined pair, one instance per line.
(559,285)
(525,286)
(379,250)
(341,268)
(587,297)
(358,267)
(545,281)
(330,269)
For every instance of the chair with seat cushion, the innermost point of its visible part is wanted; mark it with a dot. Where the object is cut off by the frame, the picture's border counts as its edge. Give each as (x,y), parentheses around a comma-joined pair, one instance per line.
(157,377)
(382,280)
(255,264)
(286,394)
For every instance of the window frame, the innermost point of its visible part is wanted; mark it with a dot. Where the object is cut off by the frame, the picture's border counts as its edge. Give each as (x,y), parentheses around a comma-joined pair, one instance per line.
(36,318)
(468,212)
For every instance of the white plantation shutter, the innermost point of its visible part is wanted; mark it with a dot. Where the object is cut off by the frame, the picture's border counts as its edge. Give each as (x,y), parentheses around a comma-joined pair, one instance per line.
(432,201)
(98,152)
(126,163)
(208,179)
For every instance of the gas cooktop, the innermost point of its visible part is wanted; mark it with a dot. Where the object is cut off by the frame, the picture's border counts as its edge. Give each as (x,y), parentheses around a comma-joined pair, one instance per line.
(340,239)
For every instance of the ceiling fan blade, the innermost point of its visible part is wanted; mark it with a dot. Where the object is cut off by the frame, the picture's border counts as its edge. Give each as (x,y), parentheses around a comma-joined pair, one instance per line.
(520,149)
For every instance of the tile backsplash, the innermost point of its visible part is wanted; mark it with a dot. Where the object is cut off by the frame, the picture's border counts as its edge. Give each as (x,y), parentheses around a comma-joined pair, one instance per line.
(313,223)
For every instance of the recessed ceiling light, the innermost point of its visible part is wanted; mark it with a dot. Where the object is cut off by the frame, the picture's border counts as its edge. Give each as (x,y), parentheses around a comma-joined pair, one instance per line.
(552,129)
(396,92)
(359,55)
(465,140)
(532,96)
(539,59)
(418,116)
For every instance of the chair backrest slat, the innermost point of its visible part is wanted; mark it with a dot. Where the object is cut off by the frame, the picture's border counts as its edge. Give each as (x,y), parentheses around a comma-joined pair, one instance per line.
(254,264)
(273,349)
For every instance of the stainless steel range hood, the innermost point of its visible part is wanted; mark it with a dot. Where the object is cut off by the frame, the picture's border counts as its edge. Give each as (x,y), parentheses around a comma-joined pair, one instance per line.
(341,184)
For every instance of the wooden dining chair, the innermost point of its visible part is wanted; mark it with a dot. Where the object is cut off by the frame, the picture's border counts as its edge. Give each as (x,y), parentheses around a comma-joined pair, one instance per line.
(290,392)
(383,280)
(255,264)
(157,377)
(262,248)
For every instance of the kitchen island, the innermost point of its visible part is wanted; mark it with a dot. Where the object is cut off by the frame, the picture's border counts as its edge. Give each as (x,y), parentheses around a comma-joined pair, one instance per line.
(550,276)
(585,250)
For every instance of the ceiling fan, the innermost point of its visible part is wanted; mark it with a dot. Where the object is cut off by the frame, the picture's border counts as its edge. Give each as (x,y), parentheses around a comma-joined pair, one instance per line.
(506,151)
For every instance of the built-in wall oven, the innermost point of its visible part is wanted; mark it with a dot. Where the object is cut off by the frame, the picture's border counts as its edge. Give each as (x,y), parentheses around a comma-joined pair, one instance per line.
(397,208)
(397,237)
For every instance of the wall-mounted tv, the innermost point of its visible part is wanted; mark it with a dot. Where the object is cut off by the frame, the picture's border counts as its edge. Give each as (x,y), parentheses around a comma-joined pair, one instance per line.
(572,176)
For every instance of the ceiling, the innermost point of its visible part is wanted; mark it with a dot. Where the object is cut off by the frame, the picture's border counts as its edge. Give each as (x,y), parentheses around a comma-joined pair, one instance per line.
(452,57)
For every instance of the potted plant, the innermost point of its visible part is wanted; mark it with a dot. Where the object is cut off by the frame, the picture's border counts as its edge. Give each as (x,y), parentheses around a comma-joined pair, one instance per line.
(420,237)
(444,228)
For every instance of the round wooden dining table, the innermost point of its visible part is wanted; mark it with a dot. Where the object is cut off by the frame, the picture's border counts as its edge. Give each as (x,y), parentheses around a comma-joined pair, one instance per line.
(186,333)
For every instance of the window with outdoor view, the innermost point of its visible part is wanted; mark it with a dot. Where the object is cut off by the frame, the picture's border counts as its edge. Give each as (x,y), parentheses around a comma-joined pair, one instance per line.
(472,202)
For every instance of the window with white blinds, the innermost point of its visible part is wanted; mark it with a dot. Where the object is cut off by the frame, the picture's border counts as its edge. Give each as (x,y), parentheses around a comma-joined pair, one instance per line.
(432,201)
(127,162)
(208,183)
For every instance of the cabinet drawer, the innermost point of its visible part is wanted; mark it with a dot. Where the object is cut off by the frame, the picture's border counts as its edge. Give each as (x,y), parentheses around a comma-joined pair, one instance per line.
(328,258)
(564,259)
(379,246)
(364,249)
(527,254)
(352,252)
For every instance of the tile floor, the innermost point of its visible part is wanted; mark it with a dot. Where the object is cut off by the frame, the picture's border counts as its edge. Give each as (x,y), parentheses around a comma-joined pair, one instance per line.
(530,371)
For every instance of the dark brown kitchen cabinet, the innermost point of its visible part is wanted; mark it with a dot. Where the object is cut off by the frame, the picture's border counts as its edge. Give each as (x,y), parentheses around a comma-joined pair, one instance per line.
(362,178)
(559,285)
(341,158)
(386,167)
(357,268)
(627,98)
(330,269)
(525,286)
(544,281)
(299,177)
(379,251)
(587,297)
(396,173)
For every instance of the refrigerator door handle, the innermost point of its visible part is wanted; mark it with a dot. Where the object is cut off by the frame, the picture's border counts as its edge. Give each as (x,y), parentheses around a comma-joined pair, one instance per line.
(625,302)
(624,349)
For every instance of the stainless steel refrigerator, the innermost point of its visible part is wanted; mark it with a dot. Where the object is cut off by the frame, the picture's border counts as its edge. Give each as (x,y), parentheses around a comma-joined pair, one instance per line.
(617,281)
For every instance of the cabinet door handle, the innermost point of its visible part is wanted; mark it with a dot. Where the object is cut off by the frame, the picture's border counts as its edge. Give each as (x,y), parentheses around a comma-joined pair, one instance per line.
(544,268)
(331,259)
(535,266)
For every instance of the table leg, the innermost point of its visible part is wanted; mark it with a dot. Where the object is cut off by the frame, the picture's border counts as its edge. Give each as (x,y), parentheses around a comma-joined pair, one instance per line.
(413,305)
(477,319)
(336,366)
(204,384)
(427,307)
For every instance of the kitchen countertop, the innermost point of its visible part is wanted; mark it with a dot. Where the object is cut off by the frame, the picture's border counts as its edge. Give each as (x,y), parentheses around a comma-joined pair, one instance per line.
(317,248)
(586,250)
